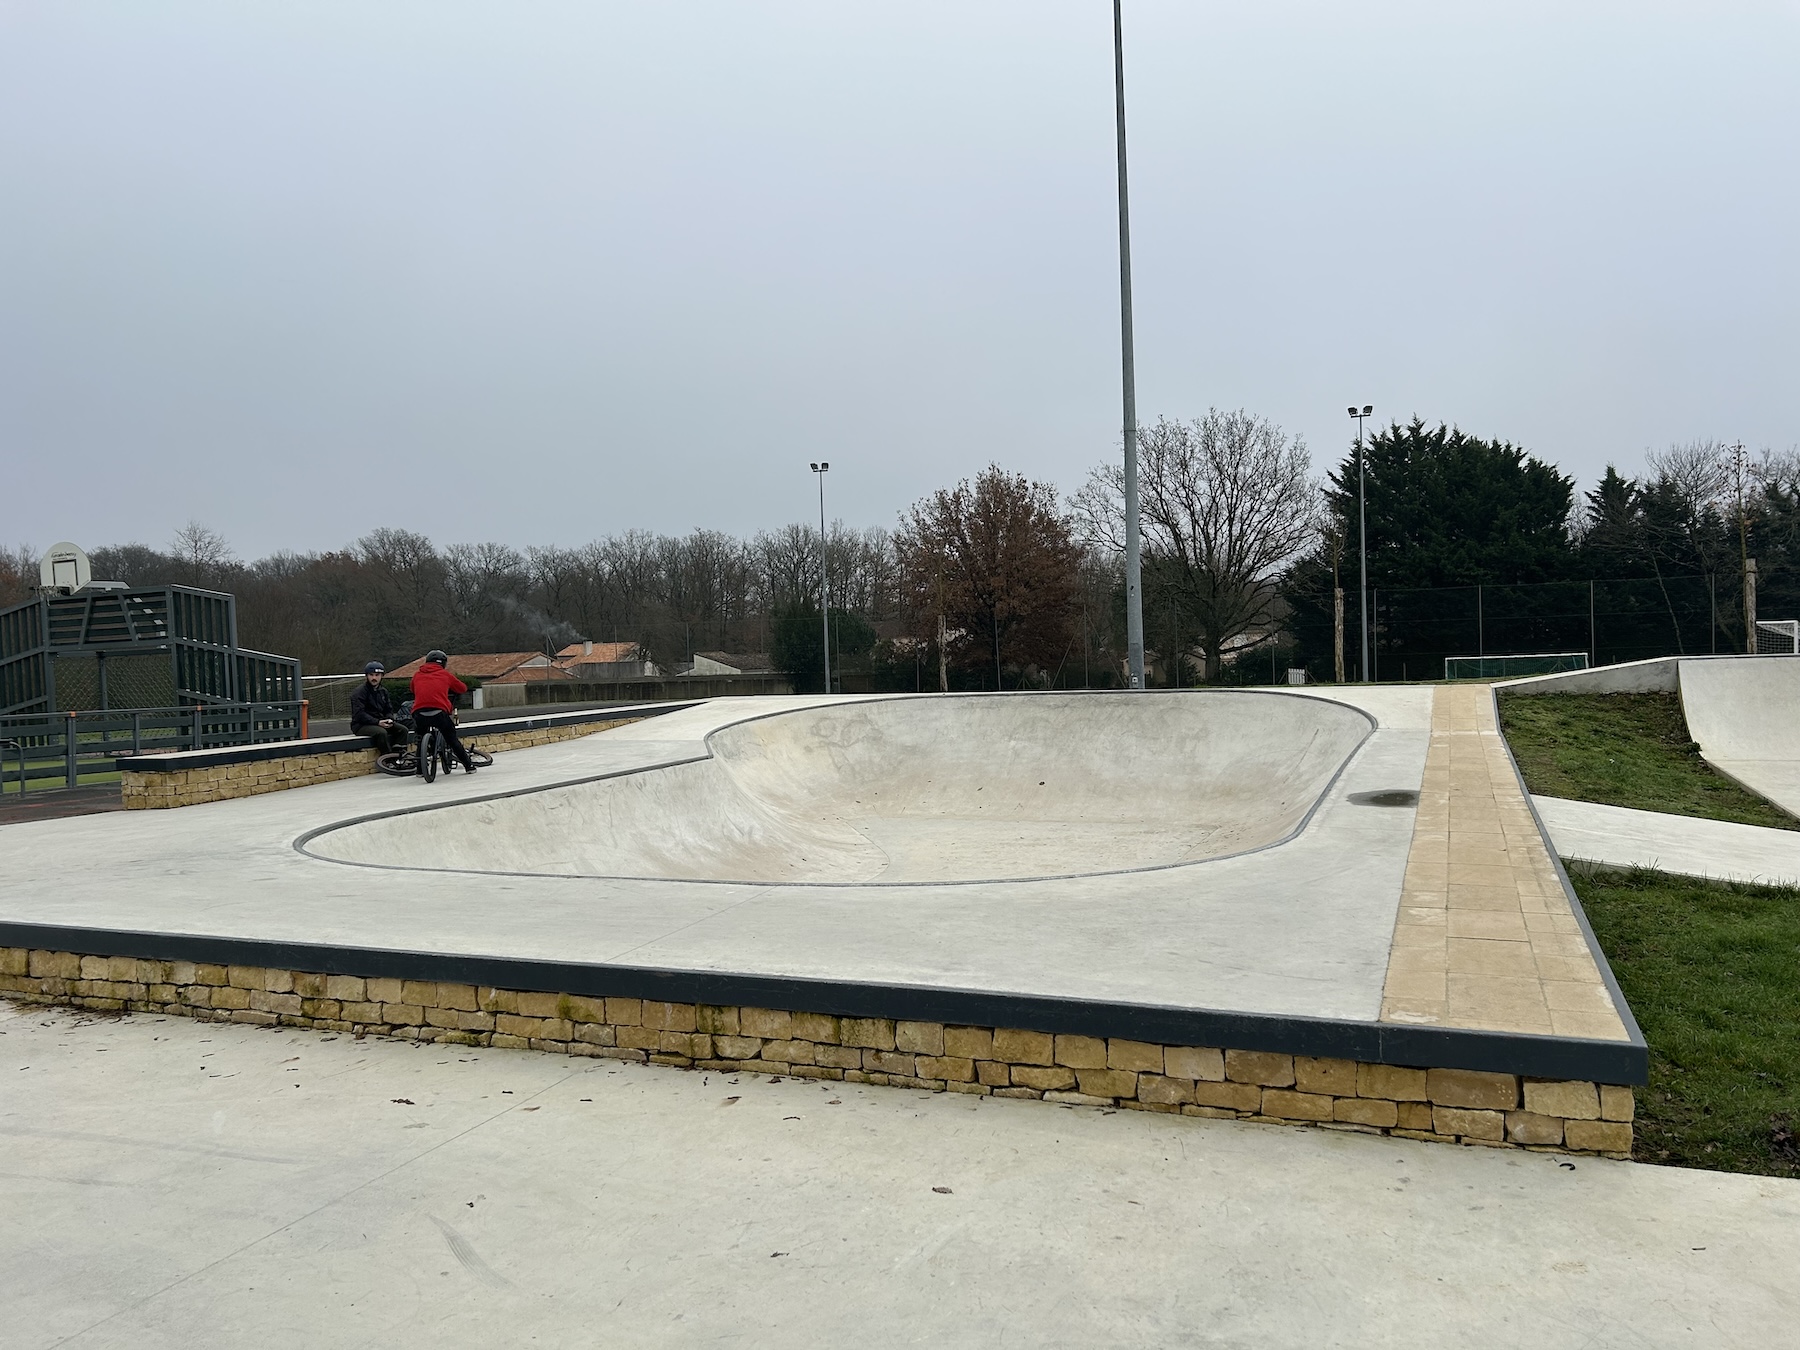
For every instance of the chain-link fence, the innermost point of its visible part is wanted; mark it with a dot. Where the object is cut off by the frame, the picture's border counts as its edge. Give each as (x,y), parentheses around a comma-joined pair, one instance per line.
(1414,631)
(328,696)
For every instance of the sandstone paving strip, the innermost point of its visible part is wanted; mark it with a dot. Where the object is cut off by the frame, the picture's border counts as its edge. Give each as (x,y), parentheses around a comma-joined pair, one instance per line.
(168,1184)
(1485,938)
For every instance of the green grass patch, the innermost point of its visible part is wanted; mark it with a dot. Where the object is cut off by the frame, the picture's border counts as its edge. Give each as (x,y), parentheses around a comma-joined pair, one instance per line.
(1624,750)
(1711,969)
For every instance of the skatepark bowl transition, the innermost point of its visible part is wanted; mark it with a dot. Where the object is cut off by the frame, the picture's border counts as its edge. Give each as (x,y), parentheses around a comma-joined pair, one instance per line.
(900,791)
(1313,908)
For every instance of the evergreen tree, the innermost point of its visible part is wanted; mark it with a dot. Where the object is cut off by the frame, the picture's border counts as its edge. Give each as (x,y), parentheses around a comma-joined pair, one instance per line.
(1449,509)
(1444,509)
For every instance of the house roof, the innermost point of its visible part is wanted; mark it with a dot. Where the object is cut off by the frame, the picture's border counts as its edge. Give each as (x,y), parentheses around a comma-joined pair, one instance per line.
(530,675)
(602,652)
(480,665)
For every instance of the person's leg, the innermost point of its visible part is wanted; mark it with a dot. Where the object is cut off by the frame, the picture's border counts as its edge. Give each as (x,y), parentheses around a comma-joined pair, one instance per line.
(379,736)
(446,727)
(423,724)
(455,742)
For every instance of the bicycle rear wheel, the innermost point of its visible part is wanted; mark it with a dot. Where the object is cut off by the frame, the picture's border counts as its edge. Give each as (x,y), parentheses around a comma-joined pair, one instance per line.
(399,763)
(428,755)
(479,758)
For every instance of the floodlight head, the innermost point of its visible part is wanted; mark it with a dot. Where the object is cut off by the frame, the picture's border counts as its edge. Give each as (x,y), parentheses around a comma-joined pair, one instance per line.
(1368,410)
(824,465)
(815,468)
(1353,412)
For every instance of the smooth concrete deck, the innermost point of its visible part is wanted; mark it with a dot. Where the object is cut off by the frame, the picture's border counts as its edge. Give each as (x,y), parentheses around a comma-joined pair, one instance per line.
(176,1184)
(1722,850)
(1219,934)
(1301,935)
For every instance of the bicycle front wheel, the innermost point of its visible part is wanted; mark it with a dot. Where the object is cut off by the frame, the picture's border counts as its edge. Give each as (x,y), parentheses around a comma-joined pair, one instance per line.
(480,758)
(399,763)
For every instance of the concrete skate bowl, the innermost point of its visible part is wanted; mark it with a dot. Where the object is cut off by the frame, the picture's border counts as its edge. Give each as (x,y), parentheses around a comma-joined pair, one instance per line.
(912,791)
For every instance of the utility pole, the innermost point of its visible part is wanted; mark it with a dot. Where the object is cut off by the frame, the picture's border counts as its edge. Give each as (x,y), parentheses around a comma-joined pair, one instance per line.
(1335,542)
(1362,530)
(1337,629)
(820,470)
(1134,594)
(1744,560)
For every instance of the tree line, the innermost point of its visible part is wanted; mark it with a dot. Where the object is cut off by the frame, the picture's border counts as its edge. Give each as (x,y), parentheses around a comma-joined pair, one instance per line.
(1001,582)
(1475,542)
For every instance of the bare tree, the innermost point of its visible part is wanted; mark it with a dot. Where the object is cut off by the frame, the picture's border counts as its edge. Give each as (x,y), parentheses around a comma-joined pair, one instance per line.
(1225,503)
(18,574)
(1698,472)
(202,557)
(787,568)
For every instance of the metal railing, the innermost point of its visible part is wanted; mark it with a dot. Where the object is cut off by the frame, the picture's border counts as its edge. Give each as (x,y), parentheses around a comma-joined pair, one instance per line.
(58,750)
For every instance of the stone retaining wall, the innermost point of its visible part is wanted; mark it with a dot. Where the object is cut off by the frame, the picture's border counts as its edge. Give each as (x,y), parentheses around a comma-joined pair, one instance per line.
(1444,1105)
(188,787)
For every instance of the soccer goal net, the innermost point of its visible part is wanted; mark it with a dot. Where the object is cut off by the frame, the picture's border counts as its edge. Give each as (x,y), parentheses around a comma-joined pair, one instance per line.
(1778,637)
(1510,667)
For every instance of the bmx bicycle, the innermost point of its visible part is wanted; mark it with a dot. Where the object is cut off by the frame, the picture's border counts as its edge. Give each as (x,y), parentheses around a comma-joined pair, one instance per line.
(429,755)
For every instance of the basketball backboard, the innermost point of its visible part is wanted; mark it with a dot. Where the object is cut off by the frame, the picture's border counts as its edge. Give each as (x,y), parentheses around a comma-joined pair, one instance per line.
(64,568)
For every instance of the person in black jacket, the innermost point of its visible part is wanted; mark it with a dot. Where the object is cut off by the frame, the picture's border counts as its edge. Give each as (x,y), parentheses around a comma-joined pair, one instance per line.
(372,712)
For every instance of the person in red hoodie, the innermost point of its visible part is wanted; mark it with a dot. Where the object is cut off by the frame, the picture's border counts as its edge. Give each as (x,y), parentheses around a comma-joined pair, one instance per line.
(432,686)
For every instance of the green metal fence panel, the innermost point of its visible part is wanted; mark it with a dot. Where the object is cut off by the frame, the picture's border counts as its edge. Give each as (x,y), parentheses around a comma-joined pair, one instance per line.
(56,750)
(170,645)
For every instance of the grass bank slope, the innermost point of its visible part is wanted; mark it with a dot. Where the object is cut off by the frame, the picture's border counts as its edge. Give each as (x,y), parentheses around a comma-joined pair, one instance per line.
(1710,969)
(1624,750)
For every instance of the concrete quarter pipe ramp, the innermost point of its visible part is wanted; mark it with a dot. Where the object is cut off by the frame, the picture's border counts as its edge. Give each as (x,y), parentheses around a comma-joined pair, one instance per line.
(913,791)
(1745,714)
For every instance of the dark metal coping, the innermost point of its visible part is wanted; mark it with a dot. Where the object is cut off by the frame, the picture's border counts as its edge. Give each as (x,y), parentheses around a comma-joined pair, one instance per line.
(170,761)
(1369,1042)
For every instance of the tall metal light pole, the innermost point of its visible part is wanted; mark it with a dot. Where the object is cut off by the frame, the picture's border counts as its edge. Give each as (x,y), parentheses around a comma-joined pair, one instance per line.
(1362,531)
(1134,599)
(821,469)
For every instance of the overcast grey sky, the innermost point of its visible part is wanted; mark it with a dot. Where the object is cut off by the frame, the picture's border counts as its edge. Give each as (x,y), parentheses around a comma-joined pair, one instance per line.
(552,270)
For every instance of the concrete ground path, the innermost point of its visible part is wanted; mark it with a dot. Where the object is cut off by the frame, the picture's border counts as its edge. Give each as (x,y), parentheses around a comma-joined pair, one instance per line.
(1722,850)
(170,1183)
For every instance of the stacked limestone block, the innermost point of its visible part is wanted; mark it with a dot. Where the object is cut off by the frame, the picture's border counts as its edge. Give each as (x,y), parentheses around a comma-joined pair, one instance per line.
(188,787)
(1444,1105)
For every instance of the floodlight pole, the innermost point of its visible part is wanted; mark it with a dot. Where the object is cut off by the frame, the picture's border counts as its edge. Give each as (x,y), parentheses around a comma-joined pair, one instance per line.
(820,470)
(1362,531)
(1134,598)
